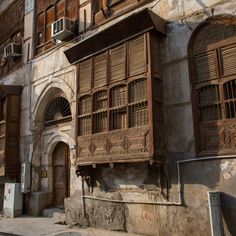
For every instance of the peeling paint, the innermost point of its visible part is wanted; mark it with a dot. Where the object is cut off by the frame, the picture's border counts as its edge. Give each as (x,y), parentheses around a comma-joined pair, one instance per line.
(228,169)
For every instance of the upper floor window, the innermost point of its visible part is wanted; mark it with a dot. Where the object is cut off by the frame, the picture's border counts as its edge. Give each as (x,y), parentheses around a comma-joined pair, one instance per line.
(117,106)
(58,111)
(124,108)
(47,13)
(213,74)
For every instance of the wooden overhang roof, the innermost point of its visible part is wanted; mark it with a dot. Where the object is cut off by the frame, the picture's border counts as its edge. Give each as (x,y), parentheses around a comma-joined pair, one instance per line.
(6,90)
(131,26)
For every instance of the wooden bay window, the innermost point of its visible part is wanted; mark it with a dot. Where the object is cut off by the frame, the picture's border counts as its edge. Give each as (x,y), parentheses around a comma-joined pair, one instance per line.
(213,75)
(120,78)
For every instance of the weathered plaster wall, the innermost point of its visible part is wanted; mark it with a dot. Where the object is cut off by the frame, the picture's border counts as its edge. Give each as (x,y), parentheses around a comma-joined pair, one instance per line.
(51,72)
(52,76)
(137,182)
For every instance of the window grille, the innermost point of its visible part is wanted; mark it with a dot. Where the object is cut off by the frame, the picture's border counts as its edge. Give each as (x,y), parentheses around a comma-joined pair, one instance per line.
(100,111)
(100,100)
(58,111)
(118,111)
(117,63)
(230,99)
(209,103)
(138,105)
(85,109)
(100,122)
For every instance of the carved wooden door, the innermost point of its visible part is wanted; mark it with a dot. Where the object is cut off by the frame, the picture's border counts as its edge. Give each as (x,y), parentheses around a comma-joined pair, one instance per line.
(60,174)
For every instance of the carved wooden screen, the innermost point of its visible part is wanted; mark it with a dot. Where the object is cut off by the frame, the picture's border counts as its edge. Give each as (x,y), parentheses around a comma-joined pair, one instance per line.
(213,57)
(10,131)
(138,103)
(118,110)
(115,103)
(130,98)
(85,116)
(100,102)
(117,64)
(11,31)
(46,13)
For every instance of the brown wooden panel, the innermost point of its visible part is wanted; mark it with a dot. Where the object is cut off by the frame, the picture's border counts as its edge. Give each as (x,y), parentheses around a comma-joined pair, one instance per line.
(85,75)
(49,19)
(60,9)
(117,63)
(229,60)
(72,10)
(206,66)
(40,21)
(125,145)
(100,70)
(60,174)
(137,56)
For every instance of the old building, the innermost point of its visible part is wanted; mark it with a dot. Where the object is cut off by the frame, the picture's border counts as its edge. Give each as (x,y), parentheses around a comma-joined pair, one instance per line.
(124,110)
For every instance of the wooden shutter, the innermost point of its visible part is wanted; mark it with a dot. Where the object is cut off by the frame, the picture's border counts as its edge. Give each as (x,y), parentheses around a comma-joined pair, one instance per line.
(206,68)
(228,55)
(49,20)
(100,70)
(85,75)
(137,56)
(60,9)
(71,9)
(117,63)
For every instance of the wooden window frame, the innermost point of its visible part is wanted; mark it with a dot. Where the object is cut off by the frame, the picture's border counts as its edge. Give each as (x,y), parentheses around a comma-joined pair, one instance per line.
(213,136)
(108,85)
(48,44)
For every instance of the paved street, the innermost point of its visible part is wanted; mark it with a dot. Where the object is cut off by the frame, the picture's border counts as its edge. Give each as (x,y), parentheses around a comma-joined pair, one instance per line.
(36,226)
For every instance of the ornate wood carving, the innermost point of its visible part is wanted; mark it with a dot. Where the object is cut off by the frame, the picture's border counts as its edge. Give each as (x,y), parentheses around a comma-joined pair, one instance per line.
(212,54)
(115,146)
(218,137)
(133,104)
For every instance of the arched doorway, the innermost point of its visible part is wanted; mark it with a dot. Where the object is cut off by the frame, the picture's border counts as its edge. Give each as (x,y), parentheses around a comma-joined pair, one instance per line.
(61,174)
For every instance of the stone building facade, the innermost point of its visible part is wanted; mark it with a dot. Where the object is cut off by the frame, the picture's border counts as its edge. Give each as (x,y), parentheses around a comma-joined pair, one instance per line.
(148,169)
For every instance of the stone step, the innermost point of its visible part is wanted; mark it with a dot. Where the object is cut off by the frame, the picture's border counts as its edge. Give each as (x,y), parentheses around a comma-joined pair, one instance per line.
(50,212)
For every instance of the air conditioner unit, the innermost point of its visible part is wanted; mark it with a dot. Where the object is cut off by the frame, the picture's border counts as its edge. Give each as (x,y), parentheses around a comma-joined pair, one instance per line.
(12,50)
(62,28)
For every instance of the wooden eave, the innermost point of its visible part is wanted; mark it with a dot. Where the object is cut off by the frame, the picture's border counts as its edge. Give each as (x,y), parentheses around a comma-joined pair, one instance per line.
(133,25)
(6,90)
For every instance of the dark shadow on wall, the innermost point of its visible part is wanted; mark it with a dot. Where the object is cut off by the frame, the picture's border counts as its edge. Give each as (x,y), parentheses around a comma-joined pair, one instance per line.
(228,207)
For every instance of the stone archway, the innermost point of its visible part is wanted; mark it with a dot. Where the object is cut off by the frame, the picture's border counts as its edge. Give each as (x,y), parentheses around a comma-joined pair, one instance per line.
(61,174)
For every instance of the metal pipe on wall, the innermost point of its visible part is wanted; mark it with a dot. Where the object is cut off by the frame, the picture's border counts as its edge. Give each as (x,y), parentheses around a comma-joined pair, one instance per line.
(179,203)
